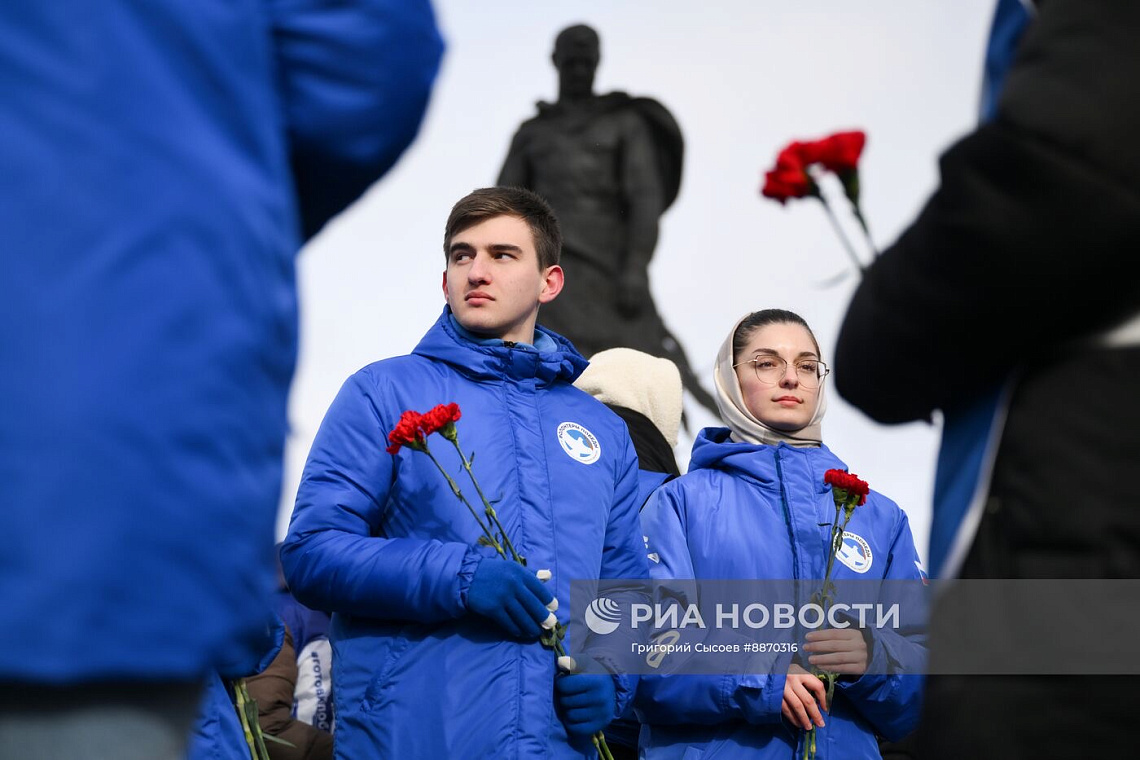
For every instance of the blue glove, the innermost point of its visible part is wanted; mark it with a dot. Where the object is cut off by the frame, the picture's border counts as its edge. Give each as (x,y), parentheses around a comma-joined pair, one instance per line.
(586,702)
(511,596)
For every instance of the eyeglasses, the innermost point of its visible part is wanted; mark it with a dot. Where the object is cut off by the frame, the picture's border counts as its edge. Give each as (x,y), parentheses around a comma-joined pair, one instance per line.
(770,370)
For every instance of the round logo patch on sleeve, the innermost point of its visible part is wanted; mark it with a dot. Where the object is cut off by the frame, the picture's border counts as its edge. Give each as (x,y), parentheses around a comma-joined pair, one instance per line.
(579,443)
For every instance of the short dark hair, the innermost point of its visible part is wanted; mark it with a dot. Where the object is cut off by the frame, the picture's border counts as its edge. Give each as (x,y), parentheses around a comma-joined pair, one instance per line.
(489,202)
(762,318)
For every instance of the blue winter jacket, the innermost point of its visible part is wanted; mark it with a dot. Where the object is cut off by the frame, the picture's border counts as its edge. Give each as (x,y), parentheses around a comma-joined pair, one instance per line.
(162,163)
(217,733)
(382,542)
(755,511)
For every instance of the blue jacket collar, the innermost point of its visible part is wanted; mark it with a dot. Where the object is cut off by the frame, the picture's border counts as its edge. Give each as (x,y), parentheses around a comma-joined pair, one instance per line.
(492,360)
(713,449)
(542,340)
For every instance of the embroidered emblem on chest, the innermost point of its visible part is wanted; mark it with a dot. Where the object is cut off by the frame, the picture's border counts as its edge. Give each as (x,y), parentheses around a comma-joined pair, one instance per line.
(855,553)
(579,443)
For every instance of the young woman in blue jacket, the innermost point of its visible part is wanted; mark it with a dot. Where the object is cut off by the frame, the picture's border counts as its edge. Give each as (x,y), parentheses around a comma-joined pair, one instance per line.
(754,505)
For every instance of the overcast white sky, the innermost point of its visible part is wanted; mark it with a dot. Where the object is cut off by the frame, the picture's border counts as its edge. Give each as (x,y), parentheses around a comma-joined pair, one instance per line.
(742,78)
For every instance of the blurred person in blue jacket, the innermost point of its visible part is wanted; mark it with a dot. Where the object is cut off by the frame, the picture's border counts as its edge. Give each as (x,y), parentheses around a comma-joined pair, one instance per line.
(754,505)
(163,163)
(435,639)
(219,730)
(294,692)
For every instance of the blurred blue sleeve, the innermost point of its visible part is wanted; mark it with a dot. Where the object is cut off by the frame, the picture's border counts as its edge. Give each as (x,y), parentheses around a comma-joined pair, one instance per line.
(266,649)
(354,79)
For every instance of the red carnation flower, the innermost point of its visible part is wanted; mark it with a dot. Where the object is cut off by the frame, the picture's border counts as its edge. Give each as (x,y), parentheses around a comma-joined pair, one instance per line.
(442,419)
(840,152)
(789,178)
(845,481)
(805,153)
(407,433)
(794,177)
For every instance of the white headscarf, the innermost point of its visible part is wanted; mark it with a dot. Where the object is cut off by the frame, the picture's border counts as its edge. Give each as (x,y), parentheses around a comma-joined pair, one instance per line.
(746,428)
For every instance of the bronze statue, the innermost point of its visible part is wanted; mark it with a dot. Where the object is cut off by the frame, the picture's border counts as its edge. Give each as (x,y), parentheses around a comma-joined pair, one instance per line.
(610,165)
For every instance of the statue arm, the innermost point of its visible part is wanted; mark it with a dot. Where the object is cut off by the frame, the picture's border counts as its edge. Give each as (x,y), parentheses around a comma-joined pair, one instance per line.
(644,200)
(515,171)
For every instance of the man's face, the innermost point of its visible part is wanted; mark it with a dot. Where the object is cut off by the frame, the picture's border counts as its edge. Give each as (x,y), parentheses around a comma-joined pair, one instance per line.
(576,68)
(493,283)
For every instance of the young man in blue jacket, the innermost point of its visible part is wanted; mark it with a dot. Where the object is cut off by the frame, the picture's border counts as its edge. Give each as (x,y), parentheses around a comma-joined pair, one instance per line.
(436,650)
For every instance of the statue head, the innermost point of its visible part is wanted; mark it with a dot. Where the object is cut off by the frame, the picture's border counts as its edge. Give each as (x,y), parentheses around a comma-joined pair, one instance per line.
(577,51)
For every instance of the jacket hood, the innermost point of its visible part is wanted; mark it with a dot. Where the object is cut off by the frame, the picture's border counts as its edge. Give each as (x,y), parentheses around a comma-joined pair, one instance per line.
(714,450)
(480,362)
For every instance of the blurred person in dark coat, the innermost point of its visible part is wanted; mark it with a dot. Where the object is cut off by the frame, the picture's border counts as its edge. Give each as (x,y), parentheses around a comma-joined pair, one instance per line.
(1012,304)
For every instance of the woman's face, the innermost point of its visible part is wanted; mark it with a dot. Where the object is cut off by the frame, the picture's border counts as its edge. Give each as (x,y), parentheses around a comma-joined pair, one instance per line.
(781,402)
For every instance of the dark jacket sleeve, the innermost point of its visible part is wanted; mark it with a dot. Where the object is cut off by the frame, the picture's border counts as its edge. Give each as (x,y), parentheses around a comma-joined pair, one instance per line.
(354,80)
(273,690)
(1030,239)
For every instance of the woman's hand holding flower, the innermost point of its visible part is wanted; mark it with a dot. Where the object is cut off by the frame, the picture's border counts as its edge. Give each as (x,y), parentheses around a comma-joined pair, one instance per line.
(802,691)
(840,650)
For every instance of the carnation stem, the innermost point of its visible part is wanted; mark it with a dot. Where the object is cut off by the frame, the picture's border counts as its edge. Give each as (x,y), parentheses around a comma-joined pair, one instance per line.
(492,515)
(487,533)
(598,738)
(831,553)
(843,503)
(839,231)
(866,230)
(247,713)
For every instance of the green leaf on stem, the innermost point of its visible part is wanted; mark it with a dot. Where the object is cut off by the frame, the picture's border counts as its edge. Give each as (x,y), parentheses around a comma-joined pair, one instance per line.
(850,182)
